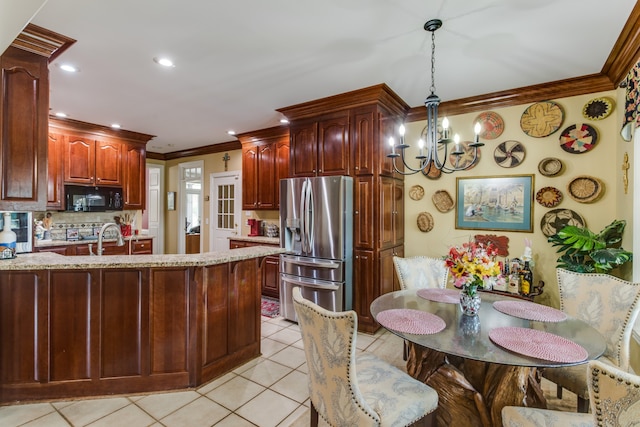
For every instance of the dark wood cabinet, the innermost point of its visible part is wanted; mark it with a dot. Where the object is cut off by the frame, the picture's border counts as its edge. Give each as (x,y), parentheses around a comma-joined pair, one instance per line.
(135,176)
(92,162)
(270,268)
(135,246)
(348,134)
(320,147)
(68,250)
(141,246)
(24,107)
(265,160)
(55,189)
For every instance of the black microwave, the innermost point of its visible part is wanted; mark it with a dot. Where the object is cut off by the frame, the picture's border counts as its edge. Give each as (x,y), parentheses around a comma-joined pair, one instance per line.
(93,199)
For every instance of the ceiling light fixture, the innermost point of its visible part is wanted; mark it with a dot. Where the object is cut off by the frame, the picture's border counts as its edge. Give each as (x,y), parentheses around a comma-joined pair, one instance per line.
(165,62)
(115,125)
(69,68)
(61,114)
(284,121)
(430,162)
(231,132)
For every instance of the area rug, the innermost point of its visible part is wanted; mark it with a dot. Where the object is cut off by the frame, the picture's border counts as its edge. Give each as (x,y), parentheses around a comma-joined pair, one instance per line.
(270,307)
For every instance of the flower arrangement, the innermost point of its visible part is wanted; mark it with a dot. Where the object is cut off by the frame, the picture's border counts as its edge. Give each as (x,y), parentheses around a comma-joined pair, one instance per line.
(472,263)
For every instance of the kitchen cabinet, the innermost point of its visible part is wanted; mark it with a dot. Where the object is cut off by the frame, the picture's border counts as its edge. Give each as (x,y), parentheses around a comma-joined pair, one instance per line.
(192,243)
(135,246)
(265,161)
(141,246)
(92,162)
(348,135)
(270,268)
(135,176)
(320,147)
(55,189)
(68,250)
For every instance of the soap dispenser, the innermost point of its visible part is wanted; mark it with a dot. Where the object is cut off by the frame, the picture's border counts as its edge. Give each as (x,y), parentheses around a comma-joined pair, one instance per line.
(7,239)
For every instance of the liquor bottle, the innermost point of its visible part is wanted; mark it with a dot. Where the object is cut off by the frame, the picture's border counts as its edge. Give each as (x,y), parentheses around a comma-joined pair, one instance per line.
(526,279)
(514,280)
(7,238)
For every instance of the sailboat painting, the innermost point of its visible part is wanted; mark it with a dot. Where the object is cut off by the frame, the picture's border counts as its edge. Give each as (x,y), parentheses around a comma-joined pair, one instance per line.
(503,203)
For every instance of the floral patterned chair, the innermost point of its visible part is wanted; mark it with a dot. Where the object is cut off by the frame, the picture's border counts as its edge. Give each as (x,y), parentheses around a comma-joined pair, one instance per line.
(610,305)
(350,390)
(614,395)
(421,272)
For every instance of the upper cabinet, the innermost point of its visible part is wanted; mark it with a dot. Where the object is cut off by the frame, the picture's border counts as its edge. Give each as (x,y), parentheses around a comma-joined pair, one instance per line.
(92,162)
(95,155)
(265,161)
(320,147)
(24,109)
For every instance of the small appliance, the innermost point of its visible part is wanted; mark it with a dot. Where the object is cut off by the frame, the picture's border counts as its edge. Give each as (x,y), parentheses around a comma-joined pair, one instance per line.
(93,199)
(255,227)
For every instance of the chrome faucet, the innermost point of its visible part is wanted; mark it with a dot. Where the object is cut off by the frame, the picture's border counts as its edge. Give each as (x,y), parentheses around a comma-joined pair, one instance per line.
(104,228)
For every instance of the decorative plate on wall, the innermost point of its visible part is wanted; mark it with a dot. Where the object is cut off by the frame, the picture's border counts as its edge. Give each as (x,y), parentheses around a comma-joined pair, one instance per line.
(585,189)
(466,158)
(443,200)
(598,108)
(556,219)
(579,138)
(491,123)
(550,166)
(416,192)
(509,154)
(549,197)
(433,172)
(542,119)
(425,222)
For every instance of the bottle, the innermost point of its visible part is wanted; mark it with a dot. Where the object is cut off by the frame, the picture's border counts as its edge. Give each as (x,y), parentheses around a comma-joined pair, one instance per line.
(7,239)
(514,280)
(526,278)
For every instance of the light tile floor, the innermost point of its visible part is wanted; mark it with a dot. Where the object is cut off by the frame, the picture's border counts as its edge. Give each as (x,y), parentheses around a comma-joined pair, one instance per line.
(268,391)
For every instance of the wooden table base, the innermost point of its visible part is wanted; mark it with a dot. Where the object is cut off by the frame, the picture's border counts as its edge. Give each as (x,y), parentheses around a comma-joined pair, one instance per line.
(473,393)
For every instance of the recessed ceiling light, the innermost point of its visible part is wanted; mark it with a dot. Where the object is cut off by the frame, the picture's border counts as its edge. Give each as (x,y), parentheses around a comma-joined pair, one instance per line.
(231,132)
(115,125)
(69,68)
(284,121)
(165,62)
(60,114)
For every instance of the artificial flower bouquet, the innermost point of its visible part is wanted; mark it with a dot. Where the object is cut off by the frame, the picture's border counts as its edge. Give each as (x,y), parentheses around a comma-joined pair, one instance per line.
(472,263)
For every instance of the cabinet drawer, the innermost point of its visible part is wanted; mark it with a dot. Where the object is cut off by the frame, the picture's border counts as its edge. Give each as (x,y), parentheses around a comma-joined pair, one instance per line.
(139,247)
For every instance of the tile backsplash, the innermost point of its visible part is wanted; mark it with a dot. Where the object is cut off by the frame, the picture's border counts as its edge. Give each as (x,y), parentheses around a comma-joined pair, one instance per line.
(86,224)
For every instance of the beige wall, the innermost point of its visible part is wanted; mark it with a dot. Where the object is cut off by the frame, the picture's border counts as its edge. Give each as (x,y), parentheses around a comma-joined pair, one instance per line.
(603,162)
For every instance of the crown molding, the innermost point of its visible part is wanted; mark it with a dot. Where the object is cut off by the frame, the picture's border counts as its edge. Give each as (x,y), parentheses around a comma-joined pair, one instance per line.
(42,42)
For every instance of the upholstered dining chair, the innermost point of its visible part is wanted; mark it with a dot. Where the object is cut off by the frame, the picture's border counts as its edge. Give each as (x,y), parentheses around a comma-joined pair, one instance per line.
(615,400)
(350,390)
(611,306)
(420,272)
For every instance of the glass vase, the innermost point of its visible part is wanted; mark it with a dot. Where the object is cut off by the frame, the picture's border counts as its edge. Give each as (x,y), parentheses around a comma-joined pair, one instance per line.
(470,305)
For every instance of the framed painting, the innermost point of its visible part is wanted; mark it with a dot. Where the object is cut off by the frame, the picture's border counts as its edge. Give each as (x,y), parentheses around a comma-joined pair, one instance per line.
(501,203)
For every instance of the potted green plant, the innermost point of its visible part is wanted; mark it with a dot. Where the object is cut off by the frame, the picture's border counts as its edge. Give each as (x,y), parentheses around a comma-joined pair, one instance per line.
(584,251)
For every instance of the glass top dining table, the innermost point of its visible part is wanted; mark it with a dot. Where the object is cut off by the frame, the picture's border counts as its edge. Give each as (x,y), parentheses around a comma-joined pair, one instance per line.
(468,336)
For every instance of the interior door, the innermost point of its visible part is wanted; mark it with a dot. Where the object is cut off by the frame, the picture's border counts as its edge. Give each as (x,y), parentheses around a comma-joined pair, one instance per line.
(153,215)
(226,209)
(190,207)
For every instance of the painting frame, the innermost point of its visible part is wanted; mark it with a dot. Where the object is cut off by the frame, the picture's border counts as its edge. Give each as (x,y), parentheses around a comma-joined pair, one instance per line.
(495,203)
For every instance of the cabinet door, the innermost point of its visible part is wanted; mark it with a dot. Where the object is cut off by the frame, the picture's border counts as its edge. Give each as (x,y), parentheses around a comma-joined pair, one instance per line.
(244,304)
(24,109)
(304,149)
(363,213)
(249,177)
(386,209)
(135,175)
(68,250)
(333,145)
(271,276)
(398,212)
(108,163)
(55,189)
(388,278)
(79,160)
(363,140)
(282,166)
(388,130)
(364,288)
(266,177)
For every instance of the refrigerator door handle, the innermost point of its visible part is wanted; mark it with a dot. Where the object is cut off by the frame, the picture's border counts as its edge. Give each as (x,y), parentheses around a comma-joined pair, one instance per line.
(302,216)
(310,218)
(309,285)
(331,265)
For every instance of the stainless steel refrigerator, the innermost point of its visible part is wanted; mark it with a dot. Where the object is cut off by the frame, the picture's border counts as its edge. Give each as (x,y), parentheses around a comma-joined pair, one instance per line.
(316,229)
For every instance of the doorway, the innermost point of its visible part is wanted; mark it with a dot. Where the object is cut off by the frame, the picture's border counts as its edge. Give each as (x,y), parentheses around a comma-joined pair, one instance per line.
(225,209)
(153,215)
(190,207)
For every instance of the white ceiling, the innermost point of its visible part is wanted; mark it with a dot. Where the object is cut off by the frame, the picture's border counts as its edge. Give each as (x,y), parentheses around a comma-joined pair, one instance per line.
(238,61)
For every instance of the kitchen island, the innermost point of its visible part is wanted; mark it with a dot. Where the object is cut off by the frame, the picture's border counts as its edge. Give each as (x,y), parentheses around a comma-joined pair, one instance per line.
(86,325)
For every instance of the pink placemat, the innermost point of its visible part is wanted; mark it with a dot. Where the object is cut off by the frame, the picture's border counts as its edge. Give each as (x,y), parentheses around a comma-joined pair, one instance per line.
(530,311)
(538,344)
(411,321)
(448,296)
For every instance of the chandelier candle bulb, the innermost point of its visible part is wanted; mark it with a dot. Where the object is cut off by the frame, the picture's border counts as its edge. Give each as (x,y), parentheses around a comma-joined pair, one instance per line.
(477,130)
(445,128)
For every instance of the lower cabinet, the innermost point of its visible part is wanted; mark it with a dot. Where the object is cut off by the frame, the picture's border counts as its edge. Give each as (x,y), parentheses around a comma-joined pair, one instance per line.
(71,333)
(270,268)
(140,246)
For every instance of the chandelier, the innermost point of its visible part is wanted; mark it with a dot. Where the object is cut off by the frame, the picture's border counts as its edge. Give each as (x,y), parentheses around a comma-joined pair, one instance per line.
(429,161)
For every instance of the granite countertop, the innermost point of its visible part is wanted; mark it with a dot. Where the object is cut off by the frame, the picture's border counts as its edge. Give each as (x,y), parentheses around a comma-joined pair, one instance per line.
(47,243)
(49,260)
(260,239)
